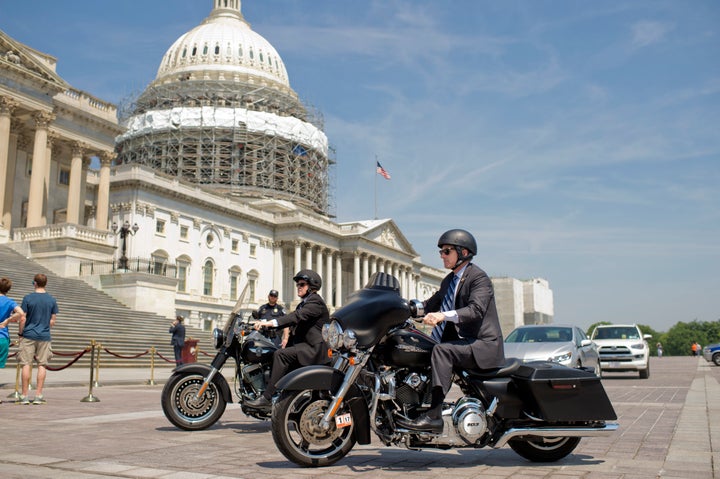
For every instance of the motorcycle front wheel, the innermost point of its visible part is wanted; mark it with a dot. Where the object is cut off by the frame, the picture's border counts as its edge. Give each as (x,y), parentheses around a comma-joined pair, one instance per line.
(184,409)
(544,449)
(299,435)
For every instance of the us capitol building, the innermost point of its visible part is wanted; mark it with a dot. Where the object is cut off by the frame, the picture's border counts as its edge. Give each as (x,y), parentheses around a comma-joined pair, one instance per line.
(218,179)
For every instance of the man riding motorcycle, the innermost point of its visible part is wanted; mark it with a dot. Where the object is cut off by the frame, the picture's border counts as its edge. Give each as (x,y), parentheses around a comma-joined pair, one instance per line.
(305,345)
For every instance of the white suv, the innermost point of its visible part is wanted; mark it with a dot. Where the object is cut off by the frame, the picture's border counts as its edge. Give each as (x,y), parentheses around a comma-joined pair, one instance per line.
(623,347)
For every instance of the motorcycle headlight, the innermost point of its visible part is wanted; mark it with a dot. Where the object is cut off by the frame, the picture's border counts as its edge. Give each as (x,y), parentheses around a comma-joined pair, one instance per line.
(218,338)
(349,339)
(332,334)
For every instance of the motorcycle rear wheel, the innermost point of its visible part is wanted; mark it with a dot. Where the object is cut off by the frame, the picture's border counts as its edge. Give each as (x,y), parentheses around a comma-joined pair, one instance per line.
(184,410)
(544,449)
(298,434)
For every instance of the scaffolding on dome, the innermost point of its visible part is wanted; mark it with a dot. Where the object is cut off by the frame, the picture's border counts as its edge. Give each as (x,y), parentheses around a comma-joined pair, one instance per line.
(223,154)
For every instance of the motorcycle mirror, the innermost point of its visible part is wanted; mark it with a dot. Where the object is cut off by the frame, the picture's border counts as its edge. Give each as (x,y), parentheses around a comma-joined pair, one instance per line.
(255,315)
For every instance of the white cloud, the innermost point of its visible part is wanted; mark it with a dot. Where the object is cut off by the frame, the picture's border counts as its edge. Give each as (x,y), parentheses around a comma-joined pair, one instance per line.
(647,32)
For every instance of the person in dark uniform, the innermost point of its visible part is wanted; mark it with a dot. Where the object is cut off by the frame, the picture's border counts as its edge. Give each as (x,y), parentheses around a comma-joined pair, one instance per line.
(273,310)
(177,329)
(305,345)
(465,322)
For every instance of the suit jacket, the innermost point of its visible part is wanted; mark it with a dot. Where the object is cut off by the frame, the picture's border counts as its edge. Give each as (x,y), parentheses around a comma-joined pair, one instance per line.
(477,316)
(178,335)
(305,325)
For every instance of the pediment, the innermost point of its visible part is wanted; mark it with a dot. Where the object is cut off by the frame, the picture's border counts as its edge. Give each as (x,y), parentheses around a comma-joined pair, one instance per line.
(386,233)
(23,60)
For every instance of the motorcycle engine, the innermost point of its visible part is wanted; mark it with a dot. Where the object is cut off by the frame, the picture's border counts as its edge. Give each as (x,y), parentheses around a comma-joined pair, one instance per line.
(254,377)
(469,419)
(413,389)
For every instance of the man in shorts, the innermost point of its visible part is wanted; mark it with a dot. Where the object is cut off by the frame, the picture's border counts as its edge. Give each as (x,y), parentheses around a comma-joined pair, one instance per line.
(40,312)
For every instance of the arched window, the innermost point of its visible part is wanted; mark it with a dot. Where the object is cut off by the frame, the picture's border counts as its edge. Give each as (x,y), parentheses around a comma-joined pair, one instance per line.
(208,278)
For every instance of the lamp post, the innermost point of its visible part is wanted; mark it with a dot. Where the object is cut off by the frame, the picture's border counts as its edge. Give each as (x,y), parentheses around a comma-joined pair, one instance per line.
(125,230)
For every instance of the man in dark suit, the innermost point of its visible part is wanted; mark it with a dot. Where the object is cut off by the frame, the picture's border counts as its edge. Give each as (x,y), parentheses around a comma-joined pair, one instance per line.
(305,345)
(465,322)
(177,329)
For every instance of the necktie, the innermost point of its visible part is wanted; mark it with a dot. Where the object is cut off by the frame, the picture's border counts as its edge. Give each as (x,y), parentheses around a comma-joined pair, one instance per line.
(447,305)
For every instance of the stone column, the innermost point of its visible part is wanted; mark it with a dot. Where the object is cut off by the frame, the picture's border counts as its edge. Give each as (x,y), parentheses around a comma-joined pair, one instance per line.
(9,182)
(338,280)
(48,169)
(74,196)
(36,195)
(356,271)
(319,270)
(298,257)
(103,194)
(7,106)
(365,265)
(373,265)
(308,256)
(278,267)
(328,279)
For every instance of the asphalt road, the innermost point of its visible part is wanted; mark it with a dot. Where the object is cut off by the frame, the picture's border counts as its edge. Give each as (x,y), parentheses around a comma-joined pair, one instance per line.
(669,427)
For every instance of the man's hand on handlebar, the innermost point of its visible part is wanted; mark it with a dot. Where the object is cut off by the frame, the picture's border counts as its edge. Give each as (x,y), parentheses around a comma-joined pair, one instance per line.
(432,319)
(262,324)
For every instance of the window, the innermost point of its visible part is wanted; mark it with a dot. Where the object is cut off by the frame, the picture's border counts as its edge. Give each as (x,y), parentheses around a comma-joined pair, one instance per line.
(182,277)
(160,227)
(253,250)
(251,289)
(64,176)
(235,245)
(208,278)
(184,232)
(233,287)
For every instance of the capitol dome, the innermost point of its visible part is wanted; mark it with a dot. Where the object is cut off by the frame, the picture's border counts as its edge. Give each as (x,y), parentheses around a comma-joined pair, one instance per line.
(223,43)
(221,114)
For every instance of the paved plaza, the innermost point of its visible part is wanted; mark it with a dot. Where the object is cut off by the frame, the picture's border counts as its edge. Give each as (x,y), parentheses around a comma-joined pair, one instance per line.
(669,427)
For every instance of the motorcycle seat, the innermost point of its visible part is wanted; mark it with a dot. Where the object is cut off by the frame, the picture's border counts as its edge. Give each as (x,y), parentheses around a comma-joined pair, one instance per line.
(511,365)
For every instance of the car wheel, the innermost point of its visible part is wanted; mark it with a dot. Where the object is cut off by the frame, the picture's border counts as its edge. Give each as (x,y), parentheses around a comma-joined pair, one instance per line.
(645,373)
(716,359)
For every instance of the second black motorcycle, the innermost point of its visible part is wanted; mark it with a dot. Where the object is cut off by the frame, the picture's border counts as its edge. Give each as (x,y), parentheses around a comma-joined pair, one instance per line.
(195,395)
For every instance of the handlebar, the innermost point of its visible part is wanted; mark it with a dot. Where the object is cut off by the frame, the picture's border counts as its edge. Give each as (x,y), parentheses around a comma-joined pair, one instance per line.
(417,310)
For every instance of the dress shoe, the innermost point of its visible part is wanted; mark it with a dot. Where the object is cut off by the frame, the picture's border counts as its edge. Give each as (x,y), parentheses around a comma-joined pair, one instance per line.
(423,423)
(261,403)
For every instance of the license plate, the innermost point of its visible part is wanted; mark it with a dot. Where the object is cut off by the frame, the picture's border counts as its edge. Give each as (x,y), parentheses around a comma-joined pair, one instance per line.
(616,365)
(343,420)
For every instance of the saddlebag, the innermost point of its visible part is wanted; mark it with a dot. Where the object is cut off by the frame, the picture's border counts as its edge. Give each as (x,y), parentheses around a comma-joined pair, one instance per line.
(560,393)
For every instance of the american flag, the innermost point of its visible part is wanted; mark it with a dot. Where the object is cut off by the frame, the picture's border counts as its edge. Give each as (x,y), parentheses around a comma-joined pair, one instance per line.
(381,171)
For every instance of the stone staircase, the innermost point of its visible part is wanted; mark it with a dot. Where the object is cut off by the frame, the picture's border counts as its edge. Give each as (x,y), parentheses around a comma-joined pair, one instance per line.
(87,314)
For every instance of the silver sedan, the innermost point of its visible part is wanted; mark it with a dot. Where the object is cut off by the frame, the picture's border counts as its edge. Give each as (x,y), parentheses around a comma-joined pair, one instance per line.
(564,344)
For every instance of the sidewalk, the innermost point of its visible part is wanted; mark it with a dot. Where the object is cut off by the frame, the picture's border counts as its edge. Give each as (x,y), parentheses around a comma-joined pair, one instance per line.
(669,428)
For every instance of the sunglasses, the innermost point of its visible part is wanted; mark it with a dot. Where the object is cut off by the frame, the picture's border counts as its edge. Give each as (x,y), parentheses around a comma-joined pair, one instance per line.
(301,284)
(446,251)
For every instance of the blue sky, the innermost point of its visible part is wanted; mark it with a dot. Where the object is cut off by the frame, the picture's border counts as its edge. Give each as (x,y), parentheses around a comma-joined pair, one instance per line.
(577,140)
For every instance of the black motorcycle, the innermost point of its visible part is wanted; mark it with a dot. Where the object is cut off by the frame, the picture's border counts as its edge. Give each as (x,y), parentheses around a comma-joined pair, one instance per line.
(382,372)
(195,395)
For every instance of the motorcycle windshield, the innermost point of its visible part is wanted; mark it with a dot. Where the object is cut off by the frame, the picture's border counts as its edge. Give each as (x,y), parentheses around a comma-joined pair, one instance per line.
(372,311)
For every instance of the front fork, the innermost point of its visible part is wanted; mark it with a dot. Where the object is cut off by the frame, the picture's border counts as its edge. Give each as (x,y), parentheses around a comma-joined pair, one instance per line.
(352,368)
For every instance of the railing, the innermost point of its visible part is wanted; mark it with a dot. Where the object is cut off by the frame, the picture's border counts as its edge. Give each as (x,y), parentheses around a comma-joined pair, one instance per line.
(135,265)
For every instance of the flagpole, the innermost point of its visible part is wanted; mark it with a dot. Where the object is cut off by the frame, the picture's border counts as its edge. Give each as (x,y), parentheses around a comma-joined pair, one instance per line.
(375,175)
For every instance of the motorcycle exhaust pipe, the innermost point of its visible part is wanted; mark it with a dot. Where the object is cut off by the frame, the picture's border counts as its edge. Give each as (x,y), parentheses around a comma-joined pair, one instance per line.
(605,430)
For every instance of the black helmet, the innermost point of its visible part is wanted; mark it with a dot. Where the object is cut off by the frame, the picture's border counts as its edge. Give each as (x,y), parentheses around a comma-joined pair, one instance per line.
(311,277)
(460,239)
(273,292)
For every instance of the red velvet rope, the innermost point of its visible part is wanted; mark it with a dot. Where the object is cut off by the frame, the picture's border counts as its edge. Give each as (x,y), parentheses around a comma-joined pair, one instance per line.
(164,358)
(126,357)
(200,351)
(79,355)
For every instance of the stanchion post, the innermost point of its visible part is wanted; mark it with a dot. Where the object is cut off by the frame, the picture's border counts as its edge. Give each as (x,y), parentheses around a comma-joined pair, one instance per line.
(90,397)
(151,381)
(97,366)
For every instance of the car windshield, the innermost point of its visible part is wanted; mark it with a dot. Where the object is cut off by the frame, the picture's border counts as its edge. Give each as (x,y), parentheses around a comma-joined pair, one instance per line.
(616,332)
(540,335)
